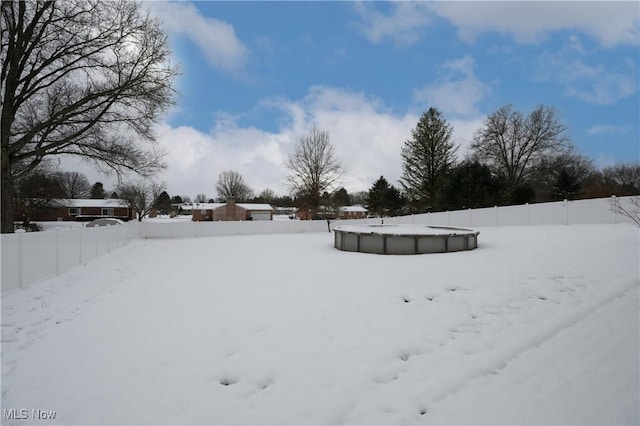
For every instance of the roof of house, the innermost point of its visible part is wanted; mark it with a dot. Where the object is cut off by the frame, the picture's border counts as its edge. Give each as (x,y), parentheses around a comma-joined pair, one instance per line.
(354,209)
(85,202)
(252,206)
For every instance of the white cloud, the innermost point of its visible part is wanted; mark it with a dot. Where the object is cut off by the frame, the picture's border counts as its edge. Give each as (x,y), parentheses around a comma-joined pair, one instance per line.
(367,139)
(216,39)
(601,84)
(611,23)
(458,91)
(607,129)
(366,135)
(402,26)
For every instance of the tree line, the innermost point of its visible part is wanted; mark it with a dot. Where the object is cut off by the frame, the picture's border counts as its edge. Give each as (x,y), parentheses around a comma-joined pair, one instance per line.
(514,158)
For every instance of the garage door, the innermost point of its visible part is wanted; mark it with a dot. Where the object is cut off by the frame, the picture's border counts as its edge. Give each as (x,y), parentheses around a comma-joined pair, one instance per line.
(260,216)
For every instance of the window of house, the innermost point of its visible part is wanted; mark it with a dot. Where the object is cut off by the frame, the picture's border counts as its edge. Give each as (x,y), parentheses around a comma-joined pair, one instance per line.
(74,211)
(107,212)
(203,212)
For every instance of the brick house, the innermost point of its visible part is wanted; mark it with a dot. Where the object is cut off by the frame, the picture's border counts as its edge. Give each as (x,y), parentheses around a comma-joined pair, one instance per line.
(78,210)
(344,212)
(352,212)
(230,211)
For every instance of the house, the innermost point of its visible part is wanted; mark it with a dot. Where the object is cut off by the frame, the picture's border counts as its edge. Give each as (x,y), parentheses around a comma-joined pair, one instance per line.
(327,212)
(229,211)
(352,212)
(80,210)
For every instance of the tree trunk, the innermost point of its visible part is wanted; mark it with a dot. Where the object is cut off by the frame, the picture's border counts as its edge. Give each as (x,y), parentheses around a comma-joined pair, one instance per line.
(6,196)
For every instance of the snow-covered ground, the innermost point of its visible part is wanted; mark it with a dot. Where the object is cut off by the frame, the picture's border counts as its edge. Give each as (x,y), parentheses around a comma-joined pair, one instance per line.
(539,325)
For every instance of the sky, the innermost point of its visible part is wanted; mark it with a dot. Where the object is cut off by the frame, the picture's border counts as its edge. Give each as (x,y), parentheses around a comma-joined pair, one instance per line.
(256,76)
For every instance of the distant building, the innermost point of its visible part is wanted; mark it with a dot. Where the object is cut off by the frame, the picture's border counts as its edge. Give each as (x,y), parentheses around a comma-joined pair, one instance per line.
(324,212)
(78,210)
(229,211)
(352,212)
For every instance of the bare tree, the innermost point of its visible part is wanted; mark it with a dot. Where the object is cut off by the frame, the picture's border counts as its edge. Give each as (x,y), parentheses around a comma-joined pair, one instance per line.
(267,196)
(141,195)
(231,184)
(200,198)
(74,184)
(624,177)
(632,212)
(83,78)
(563,176)
(512,143)
(313,168)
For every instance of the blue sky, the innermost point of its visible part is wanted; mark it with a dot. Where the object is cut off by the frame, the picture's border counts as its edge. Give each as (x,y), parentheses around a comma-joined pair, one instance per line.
(257,75)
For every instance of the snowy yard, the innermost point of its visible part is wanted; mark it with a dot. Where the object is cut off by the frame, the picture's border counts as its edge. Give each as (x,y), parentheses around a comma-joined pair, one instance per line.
(539,325)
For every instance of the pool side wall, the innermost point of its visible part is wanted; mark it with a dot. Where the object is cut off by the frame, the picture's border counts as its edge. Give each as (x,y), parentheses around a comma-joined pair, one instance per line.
(403,244)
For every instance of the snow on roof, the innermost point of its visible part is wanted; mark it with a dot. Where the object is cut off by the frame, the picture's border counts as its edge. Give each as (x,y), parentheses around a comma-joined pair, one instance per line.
(251,206)
(85,202)
(353,209)
(202,206)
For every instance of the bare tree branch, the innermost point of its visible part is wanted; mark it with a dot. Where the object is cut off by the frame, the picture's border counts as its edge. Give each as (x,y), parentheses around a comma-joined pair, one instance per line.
(74,184)
(86,78)
(232,184)
(313,167)
(141,195)
(512,143)
(632,213)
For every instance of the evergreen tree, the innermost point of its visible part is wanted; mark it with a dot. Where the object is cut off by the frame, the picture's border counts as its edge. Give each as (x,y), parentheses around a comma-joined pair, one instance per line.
(426,160)
(473,185)
(384,199)
(163,203)
(341,198)
(97,191)
(566,187)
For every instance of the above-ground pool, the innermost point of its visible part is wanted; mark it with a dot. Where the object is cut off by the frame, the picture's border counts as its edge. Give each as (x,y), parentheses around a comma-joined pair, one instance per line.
(404,239)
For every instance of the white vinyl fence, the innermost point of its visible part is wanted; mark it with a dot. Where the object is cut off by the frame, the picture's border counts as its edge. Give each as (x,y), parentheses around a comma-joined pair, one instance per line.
(29,257)
(190,229)
(556,213)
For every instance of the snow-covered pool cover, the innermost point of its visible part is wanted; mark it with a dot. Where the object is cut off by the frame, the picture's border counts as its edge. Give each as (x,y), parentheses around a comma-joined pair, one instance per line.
(409,230)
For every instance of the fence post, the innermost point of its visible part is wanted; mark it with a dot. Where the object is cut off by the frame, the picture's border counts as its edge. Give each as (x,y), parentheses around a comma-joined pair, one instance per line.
(566,212)
(495,208)
(20,260)
(615,213)
(470,217)
(80,243)
(57,251)
(528,217)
